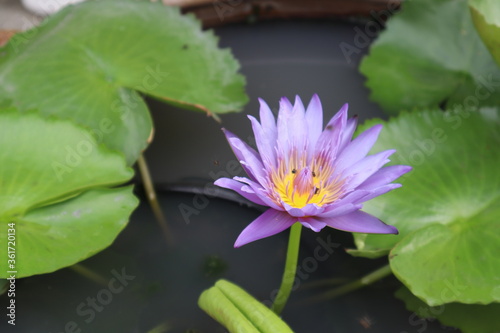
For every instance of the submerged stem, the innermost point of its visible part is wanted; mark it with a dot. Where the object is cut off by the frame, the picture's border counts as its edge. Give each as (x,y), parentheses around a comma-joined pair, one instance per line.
(161,328)
(324,283)
(354,285)
(153,200)
(89,274)
(290,269)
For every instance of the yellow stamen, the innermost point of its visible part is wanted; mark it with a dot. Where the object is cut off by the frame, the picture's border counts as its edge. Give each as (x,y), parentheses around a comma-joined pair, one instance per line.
(298,184)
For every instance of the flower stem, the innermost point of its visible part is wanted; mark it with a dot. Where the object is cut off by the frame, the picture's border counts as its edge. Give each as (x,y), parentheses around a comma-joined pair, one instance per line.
(161,328)
(354,285)
(324,283)
(153,200)
(89,274)
(290,269)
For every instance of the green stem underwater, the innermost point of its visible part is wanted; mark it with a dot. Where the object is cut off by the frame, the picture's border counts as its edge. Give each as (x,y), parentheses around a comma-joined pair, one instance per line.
(290,269)
(354,285)
(153,200)
(89,274)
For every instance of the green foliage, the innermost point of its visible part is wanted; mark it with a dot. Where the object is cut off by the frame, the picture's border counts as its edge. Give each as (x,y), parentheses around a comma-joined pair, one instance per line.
(94,73)
(457,262)
(469,318)
(55,198)
(486,17)
(448,210)
(55,174)
(238,311)
(490,9)
(431,55)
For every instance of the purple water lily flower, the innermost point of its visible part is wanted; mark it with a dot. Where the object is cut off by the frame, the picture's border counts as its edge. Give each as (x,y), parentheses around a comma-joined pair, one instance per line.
(306,174)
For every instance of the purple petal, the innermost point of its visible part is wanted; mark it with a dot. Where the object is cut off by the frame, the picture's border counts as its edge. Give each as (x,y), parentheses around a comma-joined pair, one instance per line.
(345,205)
(260,192)
(358,148)
(291,130)
(242,189)
(265,134)
(267,119)
(297,128)
(328,141)
(284,114)
(250,160)
(307,210)
(384,176)
(265,144)
(269,223)
(341,210)
(379,191)
(312,223)
(314,119)
(348,132)
(237,150)
(359,221)
(365,168)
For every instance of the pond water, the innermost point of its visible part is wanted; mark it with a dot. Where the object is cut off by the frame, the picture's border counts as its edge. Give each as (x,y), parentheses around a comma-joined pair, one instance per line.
(146,283)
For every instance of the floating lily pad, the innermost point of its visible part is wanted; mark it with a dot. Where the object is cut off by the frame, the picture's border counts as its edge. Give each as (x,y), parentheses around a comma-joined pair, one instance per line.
(453,263)
(486,17)
(54,203)
(93,73)
(469,318)
(448,210)
(430,55)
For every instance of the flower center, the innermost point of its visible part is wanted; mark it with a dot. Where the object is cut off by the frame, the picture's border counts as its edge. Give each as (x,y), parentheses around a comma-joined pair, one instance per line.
(297,184)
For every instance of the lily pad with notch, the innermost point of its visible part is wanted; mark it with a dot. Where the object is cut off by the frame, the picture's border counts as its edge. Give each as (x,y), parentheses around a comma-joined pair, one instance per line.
(58,204)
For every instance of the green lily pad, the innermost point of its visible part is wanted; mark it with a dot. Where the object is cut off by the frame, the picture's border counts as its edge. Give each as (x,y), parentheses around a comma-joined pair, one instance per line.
(46,160)
(63,234)
(490,9)
(486,17)
(453,263)
(447,210)
(54,205)
(469,318)
(93,73)
(430,55)
(238,311)
(454,177)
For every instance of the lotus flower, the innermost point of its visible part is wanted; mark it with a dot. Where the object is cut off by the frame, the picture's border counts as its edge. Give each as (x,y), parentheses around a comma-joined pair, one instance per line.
(309,175)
